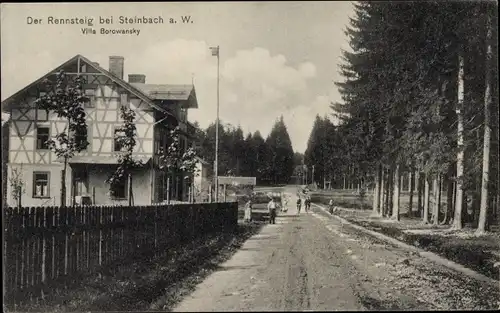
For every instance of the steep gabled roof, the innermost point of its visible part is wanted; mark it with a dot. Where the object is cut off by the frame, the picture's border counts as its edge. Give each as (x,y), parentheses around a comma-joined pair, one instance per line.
(169,92)
(117,80)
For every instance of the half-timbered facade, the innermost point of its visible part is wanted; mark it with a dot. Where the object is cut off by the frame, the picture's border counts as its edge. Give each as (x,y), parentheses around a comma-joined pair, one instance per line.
(158,109)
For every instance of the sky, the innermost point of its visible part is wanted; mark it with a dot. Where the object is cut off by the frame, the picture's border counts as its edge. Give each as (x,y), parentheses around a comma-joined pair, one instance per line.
(276,58)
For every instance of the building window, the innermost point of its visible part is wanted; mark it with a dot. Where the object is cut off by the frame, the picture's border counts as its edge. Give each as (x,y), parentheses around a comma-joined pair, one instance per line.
(41,184)
(183,114)
(42,136)
(90,93)
(119,189)
(82,137)
(117,144)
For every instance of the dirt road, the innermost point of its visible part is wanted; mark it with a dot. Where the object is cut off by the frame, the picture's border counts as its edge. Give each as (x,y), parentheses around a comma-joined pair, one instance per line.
(312,262)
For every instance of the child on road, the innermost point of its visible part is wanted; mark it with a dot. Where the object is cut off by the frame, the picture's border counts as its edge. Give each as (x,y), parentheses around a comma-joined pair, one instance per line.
(330,206)
(248,211)
(271,207)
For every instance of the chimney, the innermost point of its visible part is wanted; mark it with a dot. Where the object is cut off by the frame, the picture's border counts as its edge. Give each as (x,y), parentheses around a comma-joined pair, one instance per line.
(137,78)
(116,66)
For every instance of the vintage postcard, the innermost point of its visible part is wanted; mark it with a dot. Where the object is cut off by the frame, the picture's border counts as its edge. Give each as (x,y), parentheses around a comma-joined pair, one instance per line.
(250,156)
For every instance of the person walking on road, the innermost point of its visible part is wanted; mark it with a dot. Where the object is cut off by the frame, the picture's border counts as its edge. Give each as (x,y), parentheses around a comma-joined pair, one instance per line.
(248,211)
(284,207)
(299,202)
(271,207)
(330,206)
(307,204)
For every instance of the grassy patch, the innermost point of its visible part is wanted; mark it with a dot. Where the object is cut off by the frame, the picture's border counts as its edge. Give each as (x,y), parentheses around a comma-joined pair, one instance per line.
(341,200)
(150,283)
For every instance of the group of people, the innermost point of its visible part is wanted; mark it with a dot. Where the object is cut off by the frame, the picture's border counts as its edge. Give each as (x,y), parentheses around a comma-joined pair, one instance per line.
(306,201)
(273,206)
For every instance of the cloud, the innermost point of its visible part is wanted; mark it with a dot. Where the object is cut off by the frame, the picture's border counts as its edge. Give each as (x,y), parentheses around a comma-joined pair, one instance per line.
(256,86)
(308,69)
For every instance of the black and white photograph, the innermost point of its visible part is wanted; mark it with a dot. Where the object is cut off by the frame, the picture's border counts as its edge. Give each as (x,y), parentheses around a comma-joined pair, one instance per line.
(250,156)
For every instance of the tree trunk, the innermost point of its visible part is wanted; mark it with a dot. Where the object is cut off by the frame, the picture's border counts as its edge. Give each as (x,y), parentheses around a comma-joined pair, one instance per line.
(395,198)
(410,177)
(440,193)
(390,192)
(435,194)
(168,189)
(376,190)
(130,194)
(419,194)
(19,197)
(386,193)
(457,219)
(425,216)
(481,227)
(449,196)
(417,179)
(412,187)
(63,183)
(382,190)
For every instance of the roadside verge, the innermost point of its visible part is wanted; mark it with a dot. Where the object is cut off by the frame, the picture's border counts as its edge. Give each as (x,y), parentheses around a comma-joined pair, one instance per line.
(150,283)
(426,254)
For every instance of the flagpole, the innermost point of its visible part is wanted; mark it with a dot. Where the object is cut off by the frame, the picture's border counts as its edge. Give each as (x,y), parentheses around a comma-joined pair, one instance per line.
(217,134)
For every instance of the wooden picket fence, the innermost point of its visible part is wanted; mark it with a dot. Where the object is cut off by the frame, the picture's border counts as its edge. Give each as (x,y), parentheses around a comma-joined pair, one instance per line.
(49,246)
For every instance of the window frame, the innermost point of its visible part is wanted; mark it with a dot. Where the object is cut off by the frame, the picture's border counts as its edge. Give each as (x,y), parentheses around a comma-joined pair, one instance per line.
(125,191)
(183,112)
(36,137)
(34,195)
(86,137)
(115,130)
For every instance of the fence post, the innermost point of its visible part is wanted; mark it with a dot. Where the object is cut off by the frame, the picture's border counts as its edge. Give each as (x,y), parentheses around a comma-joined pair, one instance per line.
(66,223)
(100,234)
(156,228)
(44,225)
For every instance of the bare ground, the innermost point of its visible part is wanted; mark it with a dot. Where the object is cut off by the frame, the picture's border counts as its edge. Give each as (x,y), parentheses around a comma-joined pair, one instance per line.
(313,262)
